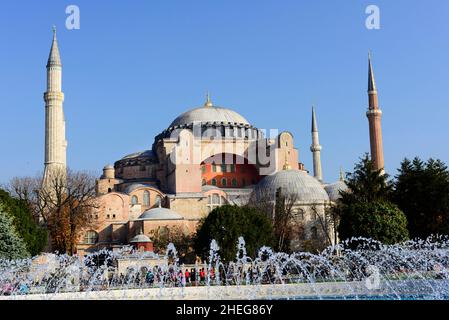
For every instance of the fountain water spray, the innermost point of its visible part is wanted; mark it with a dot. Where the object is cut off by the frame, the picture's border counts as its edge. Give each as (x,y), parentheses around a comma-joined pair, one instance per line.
(355,269)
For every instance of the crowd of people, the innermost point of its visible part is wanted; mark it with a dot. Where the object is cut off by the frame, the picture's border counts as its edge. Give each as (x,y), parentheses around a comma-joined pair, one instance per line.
(171,277)
(104,277)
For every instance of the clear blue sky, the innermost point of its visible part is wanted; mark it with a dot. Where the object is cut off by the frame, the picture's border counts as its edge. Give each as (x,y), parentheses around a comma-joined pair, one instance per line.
(135,65)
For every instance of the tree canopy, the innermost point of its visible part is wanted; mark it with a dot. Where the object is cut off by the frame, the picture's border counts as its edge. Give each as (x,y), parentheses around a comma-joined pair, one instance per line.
(34,236)
(381,221)
(366,184)
(66,206)
(366,210)
(226,224)
(422,192)
(176,235)
(12,247)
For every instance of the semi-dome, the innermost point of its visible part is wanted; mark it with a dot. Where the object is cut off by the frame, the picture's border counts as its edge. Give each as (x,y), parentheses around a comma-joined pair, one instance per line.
(140,238)
(333,190)
(135,186)
(209,114)
(140,154)
(160,214)
(294,184)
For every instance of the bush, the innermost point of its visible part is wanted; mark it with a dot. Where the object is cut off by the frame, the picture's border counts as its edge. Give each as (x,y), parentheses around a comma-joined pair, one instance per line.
(226,224)
(379,220)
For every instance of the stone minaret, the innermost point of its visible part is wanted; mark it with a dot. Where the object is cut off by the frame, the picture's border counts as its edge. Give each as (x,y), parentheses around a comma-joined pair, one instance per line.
(316,149)
(374,115)
(55,140)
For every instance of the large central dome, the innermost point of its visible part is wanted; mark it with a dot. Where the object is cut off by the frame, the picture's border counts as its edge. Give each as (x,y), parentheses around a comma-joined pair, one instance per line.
(209,114)
(214,121)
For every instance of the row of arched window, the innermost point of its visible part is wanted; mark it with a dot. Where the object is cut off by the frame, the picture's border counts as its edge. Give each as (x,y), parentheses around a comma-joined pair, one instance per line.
(225,182)
(220,131)
(214,201)
(146,199)
(222,168)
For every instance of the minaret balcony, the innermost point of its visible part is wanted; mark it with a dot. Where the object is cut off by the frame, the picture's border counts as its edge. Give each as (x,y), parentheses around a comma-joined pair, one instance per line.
(374,113)
(53,95)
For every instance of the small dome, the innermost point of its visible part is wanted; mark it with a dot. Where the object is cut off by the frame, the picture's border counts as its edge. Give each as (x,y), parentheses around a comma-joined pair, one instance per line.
(293,183)
(333,189)
(209,188)
(109,167)
(160,214)
(209,114)
(140,238)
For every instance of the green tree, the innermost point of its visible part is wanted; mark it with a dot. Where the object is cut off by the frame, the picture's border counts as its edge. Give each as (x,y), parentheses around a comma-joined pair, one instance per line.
(365,210)
(366,183)
(381,221)
(182,240)
(34,236)
(422,192)
(12,247)
(226,224)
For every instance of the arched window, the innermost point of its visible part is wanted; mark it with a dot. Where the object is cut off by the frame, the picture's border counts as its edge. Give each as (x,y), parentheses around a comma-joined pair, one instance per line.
(204,182)
(234,182)
(224,182)
(214,182)
(215,201)
(314,233)
(109,190)
(224,168)
(134,200)
(91,237)
(300,214)
(146,198)
(158,201)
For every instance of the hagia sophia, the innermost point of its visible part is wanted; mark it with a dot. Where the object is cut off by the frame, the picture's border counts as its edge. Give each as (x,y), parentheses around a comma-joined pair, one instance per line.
(207,157)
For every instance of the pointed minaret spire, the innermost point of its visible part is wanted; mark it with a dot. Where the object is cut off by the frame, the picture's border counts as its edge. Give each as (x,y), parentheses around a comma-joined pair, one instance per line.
(342,175)
(54,59)
(371,81)
(316,148)
(208,101)
(55,139)
(314,125)
(374,115)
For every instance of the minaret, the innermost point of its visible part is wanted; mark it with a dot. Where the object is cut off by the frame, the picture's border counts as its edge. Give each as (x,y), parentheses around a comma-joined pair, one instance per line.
(55,140)
(374,115)
(316,149)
